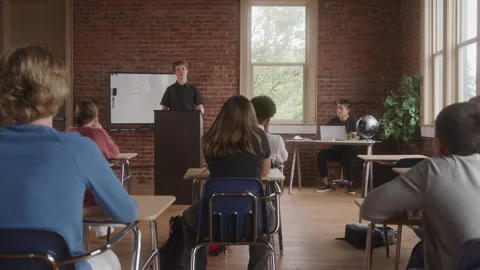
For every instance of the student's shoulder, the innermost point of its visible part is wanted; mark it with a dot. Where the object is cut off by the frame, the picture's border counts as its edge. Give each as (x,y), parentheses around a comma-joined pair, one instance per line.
(333,120)
(260,132)
(77,143)
(275,137)
(171,86)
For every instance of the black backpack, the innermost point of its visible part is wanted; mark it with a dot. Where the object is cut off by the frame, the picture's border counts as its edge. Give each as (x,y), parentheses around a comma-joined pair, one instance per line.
(171,251)
(356,235)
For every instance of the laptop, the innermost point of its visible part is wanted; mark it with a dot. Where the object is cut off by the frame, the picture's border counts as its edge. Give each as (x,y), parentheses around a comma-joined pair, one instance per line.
(333,133)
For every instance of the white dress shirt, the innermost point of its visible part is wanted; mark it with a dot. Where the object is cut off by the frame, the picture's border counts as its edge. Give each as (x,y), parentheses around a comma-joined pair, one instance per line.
(278,151)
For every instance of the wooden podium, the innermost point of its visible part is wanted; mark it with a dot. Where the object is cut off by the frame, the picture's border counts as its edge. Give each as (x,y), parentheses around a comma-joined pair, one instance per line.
(178,137)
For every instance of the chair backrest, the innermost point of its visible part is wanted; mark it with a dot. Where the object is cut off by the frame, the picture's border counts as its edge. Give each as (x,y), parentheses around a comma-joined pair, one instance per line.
(35,249)
(230,212)
(469,257)
(407,162)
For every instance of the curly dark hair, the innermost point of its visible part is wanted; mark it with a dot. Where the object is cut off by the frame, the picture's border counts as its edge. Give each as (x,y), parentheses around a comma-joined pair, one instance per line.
(264,106)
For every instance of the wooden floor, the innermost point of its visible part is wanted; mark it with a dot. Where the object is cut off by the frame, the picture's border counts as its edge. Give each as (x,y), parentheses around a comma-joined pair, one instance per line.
(311,222)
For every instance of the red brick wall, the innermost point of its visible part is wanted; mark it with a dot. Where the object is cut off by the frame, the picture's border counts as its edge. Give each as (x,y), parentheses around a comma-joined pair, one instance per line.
(359,57)
(410,33)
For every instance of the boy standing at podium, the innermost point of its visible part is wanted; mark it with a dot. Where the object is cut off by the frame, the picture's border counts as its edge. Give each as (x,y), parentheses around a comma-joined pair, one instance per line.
(182,95)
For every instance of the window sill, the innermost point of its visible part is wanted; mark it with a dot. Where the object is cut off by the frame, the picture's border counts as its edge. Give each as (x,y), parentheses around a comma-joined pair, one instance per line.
(428,131)
(293,129)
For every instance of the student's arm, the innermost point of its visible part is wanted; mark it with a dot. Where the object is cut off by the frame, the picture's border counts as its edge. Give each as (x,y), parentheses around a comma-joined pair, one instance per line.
(200,108)
(106,144)
(394,198)
(166,99)
(282,150)
(267,162)
(198,100)
(100,179)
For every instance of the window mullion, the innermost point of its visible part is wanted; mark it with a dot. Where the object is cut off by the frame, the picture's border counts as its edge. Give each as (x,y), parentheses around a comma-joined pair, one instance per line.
(450,65)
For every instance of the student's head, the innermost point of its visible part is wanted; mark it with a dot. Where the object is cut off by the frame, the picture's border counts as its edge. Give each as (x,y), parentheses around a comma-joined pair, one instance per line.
(475,99)
(264,107)
(343,108)
(180,68)
(233,130)
(86,112)
(457,130)
(32,85)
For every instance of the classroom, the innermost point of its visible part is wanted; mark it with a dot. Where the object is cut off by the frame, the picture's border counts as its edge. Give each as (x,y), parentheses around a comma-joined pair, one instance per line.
(366,111)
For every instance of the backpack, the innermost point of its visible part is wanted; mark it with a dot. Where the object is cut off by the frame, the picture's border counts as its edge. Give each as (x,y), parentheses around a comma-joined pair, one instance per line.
(356,235)
(171,251)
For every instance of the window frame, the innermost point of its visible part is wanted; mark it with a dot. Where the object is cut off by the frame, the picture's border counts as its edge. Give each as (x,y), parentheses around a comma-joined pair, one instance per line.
(311,56)
(451,56)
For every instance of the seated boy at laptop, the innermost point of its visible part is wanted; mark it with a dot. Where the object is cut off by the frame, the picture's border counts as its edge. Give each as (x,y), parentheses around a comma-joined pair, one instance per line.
(446,188)
(344,154)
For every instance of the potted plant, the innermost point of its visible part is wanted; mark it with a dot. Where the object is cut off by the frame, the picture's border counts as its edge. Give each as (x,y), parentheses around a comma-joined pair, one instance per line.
(401,120)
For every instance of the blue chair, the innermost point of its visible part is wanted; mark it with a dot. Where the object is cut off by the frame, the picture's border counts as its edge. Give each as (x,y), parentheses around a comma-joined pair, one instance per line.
(233,212)
(41,249)
(469,257)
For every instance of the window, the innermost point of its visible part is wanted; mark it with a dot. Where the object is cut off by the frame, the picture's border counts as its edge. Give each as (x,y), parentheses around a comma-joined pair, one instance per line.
(467,49)
(279,43)
(449,42)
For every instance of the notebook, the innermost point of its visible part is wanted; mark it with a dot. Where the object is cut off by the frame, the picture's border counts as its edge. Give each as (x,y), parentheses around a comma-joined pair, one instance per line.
(333,133)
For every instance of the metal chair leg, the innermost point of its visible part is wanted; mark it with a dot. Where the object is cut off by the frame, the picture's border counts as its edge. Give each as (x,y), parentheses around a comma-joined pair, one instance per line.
(387,245)
(193,256)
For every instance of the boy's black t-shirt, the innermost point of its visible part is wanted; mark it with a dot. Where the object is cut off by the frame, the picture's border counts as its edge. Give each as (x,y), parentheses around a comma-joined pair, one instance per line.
(241,164)
(350,124)
(182,97)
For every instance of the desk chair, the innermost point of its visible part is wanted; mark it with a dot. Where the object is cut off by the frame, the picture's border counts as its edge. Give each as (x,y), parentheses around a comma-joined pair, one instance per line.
(279,166)
(233,212)
(468,258)
(341,182)
(41,249)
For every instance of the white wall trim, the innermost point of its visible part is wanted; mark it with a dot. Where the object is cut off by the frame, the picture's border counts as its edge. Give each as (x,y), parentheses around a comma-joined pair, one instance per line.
(428,131)
(293,129)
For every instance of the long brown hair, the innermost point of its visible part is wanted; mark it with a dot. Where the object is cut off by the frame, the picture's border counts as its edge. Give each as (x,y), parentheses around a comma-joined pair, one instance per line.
(235,130)
(85,112)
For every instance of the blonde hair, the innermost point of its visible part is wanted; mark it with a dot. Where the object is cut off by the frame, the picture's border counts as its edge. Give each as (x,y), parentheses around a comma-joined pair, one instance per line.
(235,130)
(32,85)
(85,112)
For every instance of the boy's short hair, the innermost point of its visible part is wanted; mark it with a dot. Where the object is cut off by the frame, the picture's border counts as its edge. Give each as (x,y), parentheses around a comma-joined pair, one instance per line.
(475,99)
(179,63)
(32,86)
(264,107)
(459,126)
(345,102)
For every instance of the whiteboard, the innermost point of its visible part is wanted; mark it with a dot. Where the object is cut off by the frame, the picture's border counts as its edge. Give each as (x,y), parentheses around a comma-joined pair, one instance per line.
(134,96)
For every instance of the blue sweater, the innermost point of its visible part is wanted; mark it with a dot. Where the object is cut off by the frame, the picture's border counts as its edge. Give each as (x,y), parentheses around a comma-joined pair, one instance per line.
(44,175)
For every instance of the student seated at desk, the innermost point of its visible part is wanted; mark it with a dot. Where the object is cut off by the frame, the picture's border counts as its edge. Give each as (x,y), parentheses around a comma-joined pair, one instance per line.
(233,147)
(344,154)
(265,109)
(446,188)
(87,124)
(45,172)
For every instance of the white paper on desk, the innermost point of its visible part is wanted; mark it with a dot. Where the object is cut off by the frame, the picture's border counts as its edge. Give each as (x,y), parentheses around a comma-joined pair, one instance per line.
(300,138)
